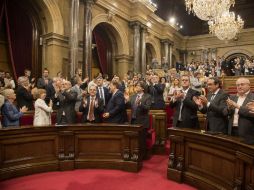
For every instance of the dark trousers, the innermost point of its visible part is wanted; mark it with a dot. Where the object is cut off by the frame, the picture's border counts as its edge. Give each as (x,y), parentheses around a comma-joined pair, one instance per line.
(63,120)
(179,124)
(235,131)
(142,139)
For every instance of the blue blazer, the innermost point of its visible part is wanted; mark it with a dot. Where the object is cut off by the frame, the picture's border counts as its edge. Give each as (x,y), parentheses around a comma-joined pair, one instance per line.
(116,108)
(10,114)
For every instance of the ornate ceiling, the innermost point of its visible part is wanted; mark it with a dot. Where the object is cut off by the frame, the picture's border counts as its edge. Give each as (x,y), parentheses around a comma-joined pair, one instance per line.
(191,24)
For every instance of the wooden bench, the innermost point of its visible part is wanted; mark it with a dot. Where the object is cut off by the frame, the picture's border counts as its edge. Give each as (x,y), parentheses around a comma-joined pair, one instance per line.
(28,150)
(211,162)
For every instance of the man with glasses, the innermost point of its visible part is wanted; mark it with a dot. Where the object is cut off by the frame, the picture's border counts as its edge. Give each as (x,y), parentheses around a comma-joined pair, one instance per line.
(241,120)
(213,106)
(185,108)
(67,98)
(92,106)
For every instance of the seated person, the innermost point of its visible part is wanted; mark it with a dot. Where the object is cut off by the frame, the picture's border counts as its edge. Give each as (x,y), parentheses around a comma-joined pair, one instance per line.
(10,113)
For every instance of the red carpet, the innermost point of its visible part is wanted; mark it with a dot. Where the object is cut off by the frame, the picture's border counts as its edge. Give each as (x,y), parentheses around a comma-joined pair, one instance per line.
(152,176)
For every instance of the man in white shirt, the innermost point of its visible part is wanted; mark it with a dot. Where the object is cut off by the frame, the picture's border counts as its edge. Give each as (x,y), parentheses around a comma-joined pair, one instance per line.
(241,120)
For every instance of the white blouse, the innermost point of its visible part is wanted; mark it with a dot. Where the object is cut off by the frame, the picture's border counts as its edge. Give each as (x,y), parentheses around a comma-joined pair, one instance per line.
(42,113)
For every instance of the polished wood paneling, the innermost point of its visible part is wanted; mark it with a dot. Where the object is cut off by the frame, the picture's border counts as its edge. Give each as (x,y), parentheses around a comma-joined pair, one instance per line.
(210,162)
(29,150)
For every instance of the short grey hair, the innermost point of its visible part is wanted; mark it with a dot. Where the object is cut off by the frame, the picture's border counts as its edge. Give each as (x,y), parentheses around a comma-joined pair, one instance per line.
(7,92)
(22,79)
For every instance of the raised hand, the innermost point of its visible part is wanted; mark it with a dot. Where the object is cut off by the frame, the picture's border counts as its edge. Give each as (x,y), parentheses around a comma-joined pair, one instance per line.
(203,99)
(105,115)
(23,109)
(50,103)
(198,101)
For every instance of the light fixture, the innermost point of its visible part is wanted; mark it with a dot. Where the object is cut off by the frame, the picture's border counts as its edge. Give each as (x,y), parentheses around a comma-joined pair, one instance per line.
(208,9)
(172,20)
(226,26)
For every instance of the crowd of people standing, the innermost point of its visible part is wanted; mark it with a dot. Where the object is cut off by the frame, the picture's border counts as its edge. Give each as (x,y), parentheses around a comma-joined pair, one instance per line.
(101,100)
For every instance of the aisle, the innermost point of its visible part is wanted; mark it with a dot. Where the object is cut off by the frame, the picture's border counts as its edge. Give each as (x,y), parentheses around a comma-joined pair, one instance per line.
(151,177)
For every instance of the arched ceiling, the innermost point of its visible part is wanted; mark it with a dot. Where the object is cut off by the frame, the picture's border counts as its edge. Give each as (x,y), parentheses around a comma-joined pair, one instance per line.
(194,26)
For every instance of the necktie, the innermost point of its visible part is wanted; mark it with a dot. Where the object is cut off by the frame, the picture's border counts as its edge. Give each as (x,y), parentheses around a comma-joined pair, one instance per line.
(212,97)
(91,110)
(138,99)
(102,95)
(181,107)
(134,107)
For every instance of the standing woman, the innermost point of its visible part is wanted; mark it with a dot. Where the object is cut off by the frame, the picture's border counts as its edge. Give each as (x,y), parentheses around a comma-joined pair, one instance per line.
(42,113)
(10,113)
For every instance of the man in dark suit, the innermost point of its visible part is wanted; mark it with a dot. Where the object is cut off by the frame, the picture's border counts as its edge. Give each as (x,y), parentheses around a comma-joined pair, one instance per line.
(213,106)
(156,89)
(67,98)
(92,106)
(185,108)
(115,111)
(140,104)
(45,83)
(102,91)
(241,120)
(24,96)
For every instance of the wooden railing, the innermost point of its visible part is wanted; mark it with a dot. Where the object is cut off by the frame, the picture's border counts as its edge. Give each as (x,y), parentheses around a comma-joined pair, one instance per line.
(29,150)
(210,162)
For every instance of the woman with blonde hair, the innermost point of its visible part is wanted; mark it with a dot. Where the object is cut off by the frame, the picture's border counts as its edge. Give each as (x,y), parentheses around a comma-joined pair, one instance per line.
(130,89)
(42,113)
(175,86)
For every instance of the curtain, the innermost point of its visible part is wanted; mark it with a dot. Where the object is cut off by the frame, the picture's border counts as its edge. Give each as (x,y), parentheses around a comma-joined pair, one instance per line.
(19,36)
(102,49)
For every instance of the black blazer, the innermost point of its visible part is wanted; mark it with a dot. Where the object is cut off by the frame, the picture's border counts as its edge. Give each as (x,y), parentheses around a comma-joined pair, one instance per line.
(142,110)
(189,110)
(116,108)
(245,121)
(24,98)
(67,102)
(97,110)
(107,94)
(217,120)
(156,93)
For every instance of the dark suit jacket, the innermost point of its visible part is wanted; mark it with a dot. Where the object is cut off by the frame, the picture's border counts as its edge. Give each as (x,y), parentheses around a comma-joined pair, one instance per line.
(67,102)
(51,96)
(217,121)
(189,110)
(97,110)
(24,98)
(116,108)
(245,121)
(41,83)
(48,87)
(156,93)
(142,110)
(107,94)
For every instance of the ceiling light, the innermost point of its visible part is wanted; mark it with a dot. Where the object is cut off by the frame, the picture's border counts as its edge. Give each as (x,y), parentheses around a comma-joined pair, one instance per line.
(172,20)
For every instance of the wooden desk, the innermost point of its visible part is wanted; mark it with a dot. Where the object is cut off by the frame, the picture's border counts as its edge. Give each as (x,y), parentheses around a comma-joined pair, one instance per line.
(210,161)
(29,150)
